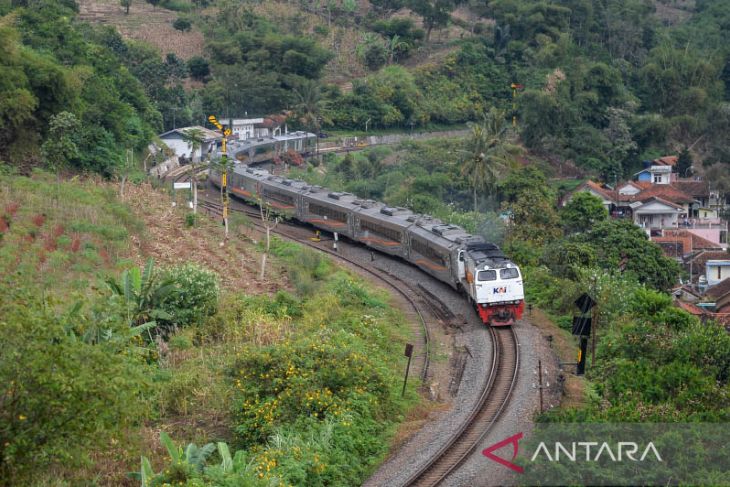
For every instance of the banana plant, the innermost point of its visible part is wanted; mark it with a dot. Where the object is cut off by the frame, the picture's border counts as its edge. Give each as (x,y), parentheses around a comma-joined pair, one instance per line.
(143,294)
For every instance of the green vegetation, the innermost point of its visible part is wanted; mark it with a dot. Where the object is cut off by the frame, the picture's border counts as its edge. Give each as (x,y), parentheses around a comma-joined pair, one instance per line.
(61,89)
(101,350)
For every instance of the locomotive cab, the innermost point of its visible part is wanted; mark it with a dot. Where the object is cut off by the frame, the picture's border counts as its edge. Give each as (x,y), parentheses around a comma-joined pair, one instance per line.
(494,284)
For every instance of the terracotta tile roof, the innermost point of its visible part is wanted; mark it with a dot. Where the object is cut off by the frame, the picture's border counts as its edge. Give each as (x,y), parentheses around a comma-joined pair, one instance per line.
(674,246)
(605,192)
(665,161)
(706,255)
(689,307)
(697,242)
(665,192)
(719,290)
(691,187)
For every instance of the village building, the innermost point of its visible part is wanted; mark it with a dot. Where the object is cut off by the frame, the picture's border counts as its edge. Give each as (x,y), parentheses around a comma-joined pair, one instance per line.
(175,141)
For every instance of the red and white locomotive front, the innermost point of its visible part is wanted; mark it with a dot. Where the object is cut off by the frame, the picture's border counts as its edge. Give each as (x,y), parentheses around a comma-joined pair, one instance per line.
(494,284)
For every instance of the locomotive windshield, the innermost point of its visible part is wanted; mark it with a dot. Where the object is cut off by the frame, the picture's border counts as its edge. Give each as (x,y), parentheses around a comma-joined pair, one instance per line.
(487,276)
(509,273)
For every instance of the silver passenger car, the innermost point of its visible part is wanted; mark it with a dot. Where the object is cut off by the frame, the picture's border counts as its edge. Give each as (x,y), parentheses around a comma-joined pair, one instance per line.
(328,210)
(382,227)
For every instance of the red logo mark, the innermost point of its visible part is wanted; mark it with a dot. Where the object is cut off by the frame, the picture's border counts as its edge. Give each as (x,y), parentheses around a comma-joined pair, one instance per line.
(487,452)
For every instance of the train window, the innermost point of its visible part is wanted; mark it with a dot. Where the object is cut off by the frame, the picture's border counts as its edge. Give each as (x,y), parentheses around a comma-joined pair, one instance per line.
(509,273)
(283,198)
(330,213)
(426,251)
(380,230)
(487,276)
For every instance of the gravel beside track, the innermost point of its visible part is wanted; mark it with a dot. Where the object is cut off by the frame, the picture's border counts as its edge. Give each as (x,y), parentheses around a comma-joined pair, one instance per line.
(457,327)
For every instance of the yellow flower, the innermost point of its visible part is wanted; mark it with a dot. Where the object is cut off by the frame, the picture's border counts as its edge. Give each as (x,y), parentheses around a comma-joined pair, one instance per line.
(22,418)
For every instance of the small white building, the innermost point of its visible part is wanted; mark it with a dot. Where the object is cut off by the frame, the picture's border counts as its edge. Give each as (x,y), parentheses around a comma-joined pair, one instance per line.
(256,128)
(656,213)
(244,128)
(175,140)
(717,271)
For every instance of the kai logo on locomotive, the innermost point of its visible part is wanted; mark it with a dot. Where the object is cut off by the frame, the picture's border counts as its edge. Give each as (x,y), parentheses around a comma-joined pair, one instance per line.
(500,290)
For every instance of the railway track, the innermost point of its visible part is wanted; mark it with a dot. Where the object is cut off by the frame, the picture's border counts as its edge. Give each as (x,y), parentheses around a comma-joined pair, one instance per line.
(404,289)
(497,390)
(489,407)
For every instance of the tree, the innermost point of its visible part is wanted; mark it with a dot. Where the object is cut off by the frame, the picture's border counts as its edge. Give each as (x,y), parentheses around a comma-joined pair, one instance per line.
(684,163)
(582,212)
(435,13)
(61,146)
(182,24)
(126,4)
(309,107)
(619,244)
(194,138)
(270,222)
(199,67)
(490,152)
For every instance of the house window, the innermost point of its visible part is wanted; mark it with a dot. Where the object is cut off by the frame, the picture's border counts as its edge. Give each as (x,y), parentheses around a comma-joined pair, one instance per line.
(657,178)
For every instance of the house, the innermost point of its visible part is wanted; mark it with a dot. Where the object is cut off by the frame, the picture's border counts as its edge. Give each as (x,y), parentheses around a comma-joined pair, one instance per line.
(244,128)
(175,140)
(717,271)
(658,171)
(257,128)
(720,296)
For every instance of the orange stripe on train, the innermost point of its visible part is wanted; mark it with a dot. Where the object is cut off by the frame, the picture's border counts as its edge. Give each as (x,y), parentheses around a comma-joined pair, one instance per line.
(386,243)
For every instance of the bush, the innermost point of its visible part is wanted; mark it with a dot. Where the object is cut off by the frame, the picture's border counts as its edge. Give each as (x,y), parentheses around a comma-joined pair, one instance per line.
(182,24)
(65,384)
(199,67)
(190,219)
(196,297)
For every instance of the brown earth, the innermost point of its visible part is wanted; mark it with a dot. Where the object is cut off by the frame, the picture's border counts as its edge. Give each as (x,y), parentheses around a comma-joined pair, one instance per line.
(169,241)
(146,23)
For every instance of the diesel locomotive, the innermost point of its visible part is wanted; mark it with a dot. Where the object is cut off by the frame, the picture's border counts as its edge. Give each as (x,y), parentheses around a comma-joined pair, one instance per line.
(465,262)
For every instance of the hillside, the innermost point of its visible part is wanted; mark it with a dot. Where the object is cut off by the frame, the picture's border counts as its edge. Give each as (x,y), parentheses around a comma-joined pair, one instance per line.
(145,23)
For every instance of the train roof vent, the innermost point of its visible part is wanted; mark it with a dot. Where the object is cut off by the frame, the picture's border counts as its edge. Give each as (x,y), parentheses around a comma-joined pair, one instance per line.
(390,211)
(445,229)
(250,171)
(287,182)
(335,195)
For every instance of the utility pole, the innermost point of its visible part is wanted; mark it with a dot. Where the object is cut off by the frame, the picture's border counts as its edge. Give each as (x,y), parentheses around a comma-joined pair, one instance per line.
(224,170)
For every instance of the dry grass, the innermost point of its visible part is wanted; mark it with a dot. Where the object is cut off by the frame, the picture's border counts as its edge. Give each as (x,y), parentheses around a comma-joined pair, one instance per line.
(145,23)
(169,241)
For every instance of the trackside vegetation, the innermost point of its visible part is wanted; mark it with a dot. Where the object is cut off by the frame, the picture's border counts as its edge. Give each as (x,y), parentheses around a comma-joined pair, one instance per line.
(299,387)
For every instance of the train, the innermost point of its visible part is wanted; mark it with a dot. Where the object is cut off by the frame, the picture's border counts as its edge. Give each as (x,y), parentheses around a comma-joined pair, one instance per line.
(467,263)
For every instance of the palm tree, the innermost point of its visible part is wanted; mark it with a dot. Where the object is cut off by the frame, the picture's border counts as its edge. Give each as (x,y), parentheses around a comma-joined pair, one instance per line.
(309,106)
(195,138)
(490,151)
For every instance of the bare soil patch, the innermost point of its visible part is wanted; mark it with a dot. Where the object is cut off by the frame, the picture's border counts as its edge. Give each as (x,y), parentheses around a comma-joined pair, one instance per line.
(169,241)
(152,25)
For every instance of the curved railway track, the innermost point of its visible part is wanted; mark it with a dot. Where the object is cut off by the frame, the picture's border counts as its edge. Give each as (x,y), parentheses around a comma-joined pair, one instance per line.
(497,389)
(489,407)
(404,289)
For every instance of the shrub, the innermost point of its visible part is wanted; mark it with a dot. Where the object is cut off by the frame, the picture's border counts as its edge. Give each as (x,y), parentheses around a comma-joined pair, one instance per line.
(199,67)
(190,219)
(196,297)
(65,385)
(182,24)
